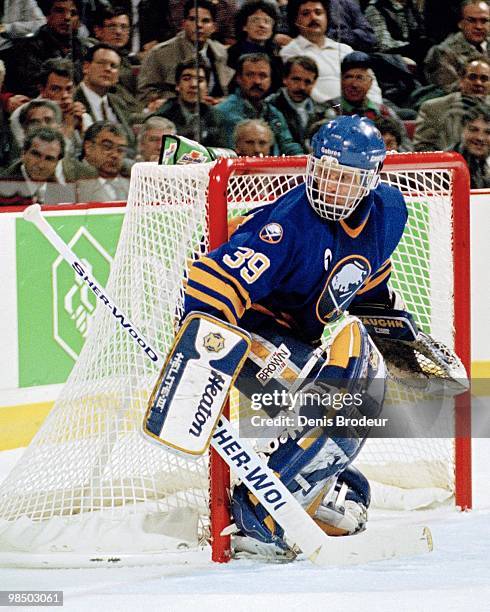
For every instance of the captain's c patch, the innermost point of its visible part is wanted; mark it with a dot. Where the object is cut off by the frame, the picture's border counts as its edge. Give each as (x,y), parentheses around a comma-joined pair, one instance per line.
(271,233)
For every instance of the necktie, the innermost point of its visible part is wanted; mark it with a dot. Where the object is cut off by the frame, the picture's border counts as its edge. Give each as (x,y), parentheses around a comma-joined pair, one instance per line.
(103,110)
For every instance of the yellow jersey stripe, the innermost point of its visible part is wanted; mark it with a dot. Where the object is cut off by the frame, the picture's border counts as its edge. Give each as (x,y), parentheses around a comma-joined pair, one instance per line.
(210,263)
(207,299)
(281,320)
(235,222)
(208,280)
(353,232)
(381,268)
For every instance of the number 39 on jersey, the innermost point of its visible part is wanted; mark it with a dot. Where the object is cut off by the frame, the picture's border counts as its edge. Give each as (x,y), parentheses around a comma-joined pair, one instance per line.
(251,263)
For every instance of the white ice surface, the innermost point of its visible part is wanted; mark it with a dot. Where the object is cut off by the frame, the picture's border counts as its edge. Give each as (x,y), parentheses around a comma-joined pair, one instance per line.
(456,576)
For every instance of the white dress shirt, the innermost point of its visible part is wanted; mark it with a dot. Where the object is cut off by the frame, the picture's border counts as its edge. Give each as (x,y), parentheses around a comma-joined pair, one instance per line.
(101,109)
(35,189)
(103,190)
(328,58)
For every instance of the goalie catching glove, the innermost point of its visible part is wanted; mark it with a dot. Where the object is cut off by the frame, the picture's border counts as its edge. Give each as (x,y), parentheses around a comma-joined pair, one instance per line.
(413,358)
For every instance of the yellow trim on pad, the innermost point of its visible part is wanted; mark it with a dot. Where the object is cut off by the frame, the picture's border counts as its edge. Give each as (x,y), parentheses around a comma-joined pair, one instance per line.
(346,344)
(480,378)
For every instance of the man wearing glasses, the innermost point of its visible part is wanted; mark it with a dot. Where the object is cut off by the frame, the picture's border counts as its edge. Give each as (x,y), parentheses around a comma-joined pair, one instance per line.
(444,62)
(112,26)
(100,75)
(104,148)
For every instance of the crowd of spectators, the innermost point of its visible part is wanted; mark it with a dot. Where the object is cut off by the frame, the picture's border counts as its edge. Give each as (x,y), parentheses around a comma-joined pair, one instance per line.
(89,87)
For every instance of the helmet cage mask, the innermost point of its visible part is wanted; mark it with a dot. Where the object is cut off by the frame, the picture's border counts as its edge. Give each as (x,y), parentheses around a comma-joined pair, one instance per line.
(334,190)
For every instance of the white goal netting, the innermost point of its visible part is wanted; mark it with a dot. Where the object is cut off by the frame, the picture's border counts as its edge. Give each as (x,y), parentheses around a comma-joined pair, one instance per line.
(89,483)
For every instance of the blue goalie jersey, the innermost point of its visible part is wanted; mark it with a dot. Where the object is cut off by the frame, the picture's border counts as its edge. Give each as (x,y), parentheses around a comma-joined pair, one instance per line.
(286,261)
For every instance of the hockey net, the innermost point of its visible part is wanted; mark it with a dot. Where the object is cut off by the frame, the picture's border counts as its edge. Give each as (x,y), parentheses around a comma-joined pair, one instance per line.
(89,489)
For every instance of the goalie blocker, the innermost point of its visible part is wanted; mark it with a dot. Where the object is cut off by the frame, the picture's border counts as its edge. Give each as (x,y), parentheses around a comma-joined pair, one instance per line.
(192,388)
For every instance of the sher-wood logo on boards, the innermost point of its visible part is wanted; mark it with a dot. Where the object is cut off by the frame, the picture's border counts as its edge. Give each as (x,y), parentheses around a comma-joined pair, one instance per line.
(52,299)
(72,299)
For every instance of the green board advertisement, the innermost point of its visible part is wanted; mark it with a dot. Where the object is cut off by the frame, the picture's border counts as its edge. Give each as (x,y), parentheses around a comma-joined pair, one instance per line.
(54,308)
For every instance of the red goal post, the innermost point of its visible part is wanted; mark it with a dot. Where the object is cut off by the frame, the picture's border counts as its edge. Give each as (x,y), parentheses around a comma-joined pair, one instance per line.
(414,174)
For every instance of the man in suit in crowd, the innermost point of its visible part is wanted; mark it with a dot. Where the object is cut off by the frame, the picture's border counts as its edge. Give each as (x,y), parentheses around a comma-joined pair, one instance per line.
(33,177)
(156,79)
(438,124)
(112,26)
(55,83)
(47,113)
(474,145)
(308,22)
(193,118)
(100,75)
(356,82)
(104,149)
(57,38)
(249,102)
(294,98)
(444,62)
(253,138)
(150,137)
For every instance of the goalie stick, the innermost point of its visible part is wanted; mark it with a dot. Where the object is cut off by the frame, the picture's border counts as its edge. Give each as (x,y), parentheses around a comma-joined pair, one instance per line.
(300,530)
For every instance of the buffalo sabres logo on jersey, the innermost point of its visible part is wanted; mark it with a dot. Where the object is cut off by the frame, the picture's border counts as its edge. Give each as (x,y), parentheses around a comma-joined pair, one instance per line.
(344,282)
(271,233)
(214,342)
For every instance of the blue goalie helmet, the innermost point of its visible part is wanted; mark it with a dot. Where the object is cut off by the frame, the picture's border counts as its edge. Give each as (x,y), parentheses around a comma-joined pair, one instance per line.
(344,165)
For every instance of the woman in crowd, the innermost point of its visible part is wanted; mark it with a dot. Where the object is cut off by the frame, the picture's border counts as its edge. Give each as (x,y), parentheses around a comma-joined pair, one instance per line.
(255,28)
